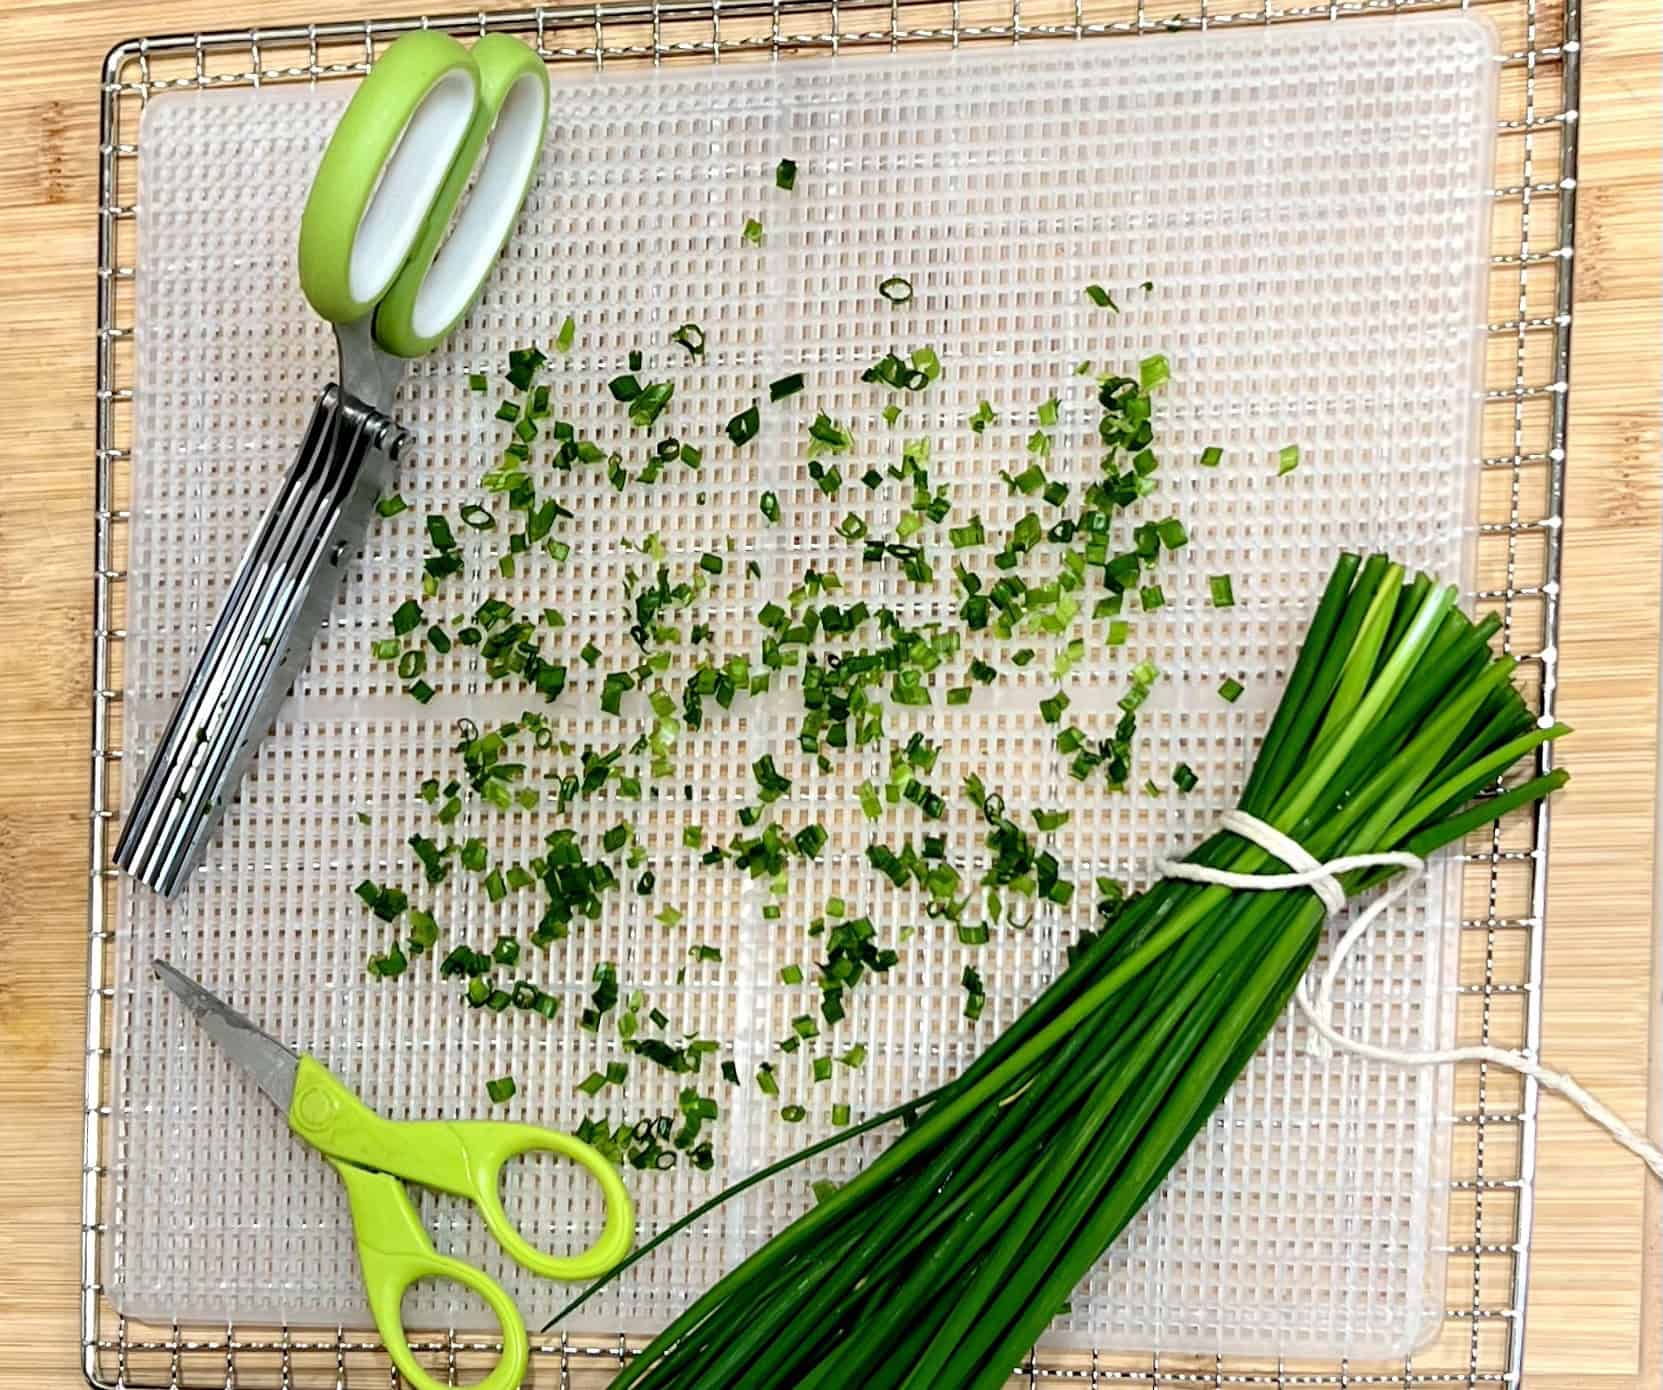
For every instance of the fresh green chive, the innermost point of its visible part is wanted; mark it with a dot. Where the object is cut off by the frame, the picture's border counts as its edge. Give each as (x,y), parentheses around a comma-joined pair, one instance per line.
(1211,456)
(1223,592)
(1230,689)
(770,505)
(897,289)
(1287,460)
(752,232)
(691,337)
(785,387)
(1101,297)
(501,1089)
(785,174)
(742,428)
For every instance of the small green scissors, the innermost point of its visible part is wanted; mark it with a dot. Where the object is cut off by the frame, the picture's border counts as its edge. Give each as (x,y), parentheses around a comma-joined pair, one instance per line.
(375,1157)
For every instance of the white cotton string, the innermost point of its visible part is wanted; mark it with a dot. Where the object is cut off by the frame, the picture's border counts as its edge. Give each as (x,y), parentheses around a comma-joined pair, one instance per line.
(1323,880)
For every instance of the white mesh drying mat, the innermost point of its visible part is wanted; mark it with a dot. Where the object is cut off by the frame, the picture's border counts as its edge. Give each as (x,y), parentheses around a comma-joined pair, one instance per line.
(1310,207)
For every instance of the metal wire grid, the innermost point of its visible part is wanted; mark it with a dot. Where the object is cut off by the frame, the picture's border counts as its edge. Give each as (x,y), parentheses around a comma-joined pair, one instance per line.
(1521,509)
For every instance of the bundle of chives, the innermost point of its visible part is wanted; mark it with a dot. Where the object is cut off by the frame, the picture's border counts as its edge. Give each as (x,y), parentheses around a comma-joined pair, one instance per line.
(942,1262)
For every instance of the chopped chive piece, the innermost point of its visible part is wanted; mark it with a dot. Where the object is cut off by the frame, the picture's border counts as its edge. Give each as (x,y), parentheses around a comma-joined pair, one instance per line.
(785,174)
(785,387)
(765,1080)
(1101,298)
(649,403)
(752,232)
(1152,597)
(791,975)
(897,289)
(501,1089)
(1223,592)
(840,1114)
(710,563)
(1230,689)
(1153,371)
(506,951)
(421,692)
(742,428)
(508,411)
(1287,460)
(412,664)
(1184,778)
(385,649)
(1172,533)
(1211,456)
(1052,706)
(770,506)
(568,331)
(477,382)
(691,337)
(407,617)
(984,416)
(391,506)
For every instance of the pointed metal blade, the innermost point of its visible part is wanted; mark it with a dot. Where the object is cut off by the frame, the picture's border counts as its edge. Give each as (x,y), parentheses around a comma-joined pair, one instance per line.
(271,1064)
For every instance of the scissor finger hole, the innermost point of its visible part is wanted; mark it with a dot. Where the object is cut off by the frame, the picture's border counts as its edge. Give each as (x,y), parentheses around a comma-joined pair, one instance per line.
(555,1203)
(439,1315)
(408,183)
(487,212)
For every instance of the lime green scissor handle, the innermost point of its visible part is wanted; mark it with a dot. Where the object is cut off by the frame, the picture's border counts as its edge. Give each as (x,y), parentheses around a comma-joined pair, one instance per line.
(464,1158)
(377,233)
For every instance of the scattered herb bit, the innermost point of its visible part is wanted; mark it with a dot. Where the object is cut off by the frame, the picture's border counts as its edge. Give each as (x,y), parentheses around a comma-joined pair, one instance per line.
(785,174)
(752,232)
(785,387)
(1101,298)
(897,289)
(568,333)
(770,505)
(1230,689)
(1222,591)
(1211,456)
(1287,460)
(391,506)
(1184,778)
(501,1090)
(691,337)
(983,416)
(742,428)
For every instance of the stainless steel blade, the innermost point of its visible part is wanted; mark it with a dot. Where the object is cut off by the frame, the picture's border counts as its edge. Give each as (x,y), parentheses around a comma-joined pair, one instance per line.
(279,639)
(262,640)
(271,1065)
(179,745)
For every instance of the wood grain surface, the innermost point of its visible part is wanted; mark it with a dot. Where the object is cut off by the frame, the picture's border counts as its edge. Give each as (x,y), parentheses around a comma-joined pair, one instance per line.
(1595,1300)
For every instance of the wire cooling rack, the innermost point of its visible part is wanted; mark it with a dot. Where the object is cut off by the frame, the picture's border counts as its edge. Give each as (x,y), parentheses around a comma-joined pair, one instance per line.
(1520,489)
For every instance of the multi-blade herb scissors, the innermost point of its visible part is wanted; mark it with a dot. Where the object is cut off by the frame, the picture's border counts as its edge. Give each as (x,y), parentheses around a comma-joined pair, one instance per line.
(384,260)
(376,1157)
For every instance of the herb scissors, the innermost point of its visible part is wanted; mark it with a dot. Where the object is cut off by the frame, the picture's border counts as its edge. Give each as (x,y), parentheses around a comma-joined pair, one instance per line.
(376,1157)
(382,258)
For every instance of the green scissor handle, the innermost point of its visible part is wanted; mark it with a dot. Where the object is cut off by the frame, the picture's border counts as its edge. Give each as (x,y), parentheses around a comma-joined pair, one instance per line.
(377,234)
(394,1253)
(464,1158)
